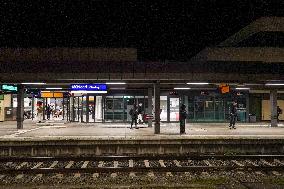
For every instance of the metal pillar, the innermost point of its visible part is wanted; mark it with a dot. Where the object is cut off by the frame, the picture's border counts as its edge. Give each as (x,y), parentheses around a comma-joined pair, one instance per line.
(87,108)
(20,107)
(33,108)
(157,107)
(44,103)
(63,111)
(150,106)
(247,108)
(273,107)
(168,109)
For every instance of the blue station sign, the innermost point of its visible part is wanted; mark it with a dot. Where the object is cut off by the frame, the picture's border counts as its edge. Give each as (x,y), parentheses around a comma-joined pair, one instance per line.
(89,87)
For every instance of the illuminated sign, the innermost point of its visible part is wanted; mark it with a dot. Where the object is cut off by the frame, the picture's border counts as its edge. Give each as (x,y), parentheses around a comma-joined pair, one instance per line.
(9,88)
(89,87)
(224,88)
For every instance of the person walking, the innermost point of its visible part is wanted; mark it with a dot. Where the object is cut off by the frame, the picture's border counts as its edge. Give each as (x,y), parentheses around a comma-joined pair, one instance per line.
(134,115)
(233,115)
(182,117)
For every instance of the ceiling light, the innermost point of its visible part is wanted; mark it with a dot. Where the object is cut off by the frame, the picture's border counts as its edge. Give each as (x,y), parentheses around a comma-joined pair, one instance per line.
(53,88)
(274,84)
(200,83)
(88,92)
(115,83)
(33,83)
(181,88)
(242,88)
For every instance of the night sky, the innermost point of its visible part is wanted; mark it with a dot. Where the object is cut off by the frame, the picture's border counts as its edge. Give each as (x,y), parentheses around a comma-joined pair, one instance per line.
(160,30)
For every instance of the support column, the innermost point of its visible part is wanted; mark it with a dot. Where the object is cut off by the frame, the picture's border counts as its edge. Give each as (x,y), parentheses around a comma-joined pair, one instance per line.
(150,106)
(273,107)
(20,107)
(168,109)
(157,107)
(33,106)
(87,108)
(247,109)
(44,103)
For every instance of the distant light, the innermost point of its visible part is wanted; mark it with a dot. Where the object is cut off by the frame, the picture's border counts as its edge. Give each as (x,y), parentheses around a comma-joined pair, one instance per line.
(115,83)
(88,92)
(181,88)
(242,88)
(198,83)
(53,88)
(33,83)
(274,84)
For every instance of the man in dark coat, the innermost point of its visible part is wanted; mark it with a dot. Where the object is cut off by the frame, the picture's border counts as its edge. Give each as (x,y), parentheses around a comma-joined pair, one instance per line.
(233,115)
(134,115)
(182,117)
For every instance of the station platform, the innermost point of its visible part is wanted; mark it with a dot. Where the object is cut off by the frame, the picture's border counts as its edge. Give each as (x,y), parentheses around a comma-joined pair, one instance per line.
(59,129)
(58,138)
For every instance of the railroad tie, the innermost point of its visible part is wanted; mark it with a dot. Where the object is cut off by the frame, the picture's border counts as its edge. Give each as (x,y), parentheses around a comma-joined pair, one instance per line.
(37,177)
(279,162)
(115,165)
(85,164)
(131,165)
(37,165)
(22,165)
(162,164)
(237,163)
(147,164)
(177,163)
(69,165)
(2,176)
(276,173)
(53,164)
(207,163)
(20,176)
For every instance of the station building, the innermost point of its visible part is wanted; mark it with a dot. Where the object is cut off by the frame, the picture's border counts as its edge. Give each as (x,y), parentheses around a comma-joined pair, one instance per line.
(249,63)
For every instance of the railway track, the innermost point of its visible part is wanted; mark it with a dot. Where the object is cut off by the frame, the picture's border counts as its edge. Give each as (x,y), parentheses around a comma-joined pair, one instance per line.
(138,164)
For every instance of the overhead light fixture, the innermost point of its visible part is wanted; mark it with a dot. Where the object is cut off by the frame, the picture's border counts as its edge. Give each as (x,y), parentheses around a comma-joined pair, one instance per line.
(88,92)
(274,84)
(33,83)
(115,83)
(198,83)
(53,88)
(181,88)
(242,88)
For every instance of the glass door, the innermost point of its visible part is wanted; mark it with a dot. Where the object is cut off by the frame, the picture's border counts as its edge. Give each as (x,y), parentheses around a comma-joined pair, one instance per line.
(174,109)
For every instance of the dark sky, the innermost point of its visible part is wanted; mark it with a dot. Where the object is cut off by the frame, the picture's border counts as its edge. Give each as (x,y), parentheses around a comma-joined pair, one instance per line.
(173,30)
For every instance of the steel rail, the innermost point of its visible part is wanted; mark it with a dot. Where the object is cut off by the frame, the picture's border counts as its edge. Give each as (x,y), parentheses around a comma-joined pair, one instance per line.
(141,169)
(148,157)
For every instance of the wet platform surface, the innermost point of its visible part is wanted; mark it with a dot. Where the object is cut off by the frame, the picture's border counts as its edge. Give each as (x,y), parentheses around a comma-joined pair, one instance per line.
(55,130)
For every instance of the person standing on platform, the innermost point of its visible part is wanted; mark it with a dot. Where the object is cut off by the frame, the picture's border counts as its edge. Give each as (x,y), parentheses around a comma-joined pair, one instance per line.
(233,115)
(48,111)
(39,113)
(182,117)
(279,111)
(134,115)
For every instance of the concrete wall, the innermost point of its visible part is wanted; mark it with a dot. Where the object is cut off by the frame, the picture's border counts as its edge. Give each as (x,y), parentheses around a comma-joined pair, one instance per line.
(4,103)
(140,147)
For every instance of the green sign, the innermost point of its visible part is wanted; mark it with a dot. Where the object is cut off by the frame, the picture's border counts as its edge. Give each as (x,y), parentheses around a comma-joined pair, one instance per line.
(9,88)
